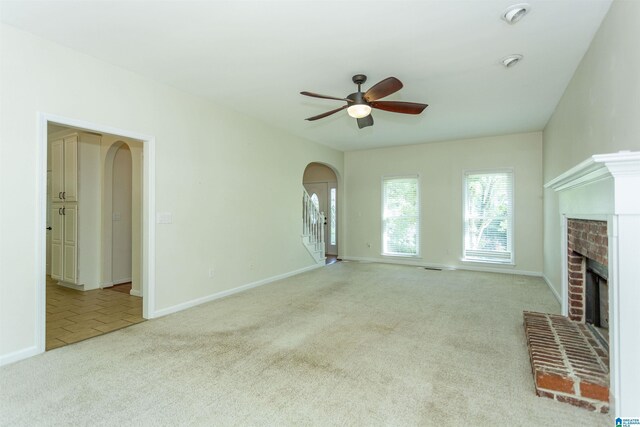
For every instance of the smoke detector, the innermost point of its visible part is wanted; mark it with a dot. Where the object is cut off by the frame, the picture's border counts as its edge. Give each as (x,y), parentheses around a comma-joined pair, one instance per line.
(516,12)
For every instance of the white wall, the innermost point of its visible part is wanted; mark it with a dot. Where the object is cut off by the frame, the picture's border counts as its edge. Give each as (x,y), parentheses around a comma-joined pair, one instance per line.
(222,175)
(599,113)
(441,166)
(121,216)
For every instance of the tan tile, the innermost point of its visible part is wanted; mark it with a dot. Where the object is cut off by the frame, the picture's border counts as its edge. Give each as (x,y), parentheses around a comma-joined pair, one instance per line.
(60,323)
(74,315)
(54,343)
(85,316)
(109,318)
(58,316)
(133,303)
(55,332)
(118,324)
(114,309)
(53,309)
(85,309)
(133,319)
(72,337)
(85,324)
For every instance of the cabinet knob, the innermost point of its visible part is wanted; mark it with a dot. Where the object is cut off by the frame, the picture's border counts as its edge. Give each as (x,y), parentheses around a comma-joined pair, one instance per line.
(59,211)
(60,195)
(49,228)
(64,194)
(63,211)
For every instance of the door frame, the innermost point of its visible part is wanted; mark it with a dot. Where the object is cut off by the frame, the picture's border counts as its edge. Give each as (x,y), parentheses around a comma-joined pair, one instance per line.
(148,215)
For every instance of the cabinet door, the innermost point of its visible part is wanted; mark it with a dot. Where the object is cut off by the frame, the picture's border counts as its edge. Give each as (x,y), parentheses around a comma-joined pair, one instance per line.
(70,244)
(57,231)
(70,192)
(57,170)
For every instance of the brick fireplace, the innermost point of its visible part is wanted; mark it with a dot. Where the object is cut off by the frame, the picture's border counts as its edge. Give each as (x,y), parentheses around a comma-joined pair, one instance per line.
(570,355)
(603,188)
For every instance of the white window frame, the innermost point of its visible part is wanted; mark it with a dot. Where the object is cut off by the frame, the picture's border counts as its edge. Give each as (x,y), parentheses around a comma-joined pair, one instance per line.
(510,233)
(419,219)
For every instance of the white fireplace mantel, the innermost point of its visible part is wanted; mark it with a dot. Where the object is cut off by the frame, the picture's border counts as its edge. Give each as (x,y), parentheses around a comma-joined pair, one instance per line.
(608,185)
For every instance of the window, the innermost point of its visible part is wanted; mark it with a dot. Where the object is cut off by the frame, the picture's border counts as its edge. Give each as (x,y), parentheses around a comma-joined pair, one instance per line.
(332,216)
(400,216)
(488,216)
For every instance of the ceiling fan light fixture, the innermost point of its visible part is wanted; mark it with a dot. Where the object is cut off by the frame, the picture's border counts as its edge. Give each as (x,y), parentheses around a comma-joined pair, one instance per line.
(516,12)
(358,111)
(511,60)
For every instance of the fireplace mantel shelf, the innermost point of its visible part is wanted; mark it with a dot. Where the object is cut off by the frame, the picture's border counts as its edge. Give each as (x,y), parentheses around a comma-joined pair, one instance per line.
(597,168)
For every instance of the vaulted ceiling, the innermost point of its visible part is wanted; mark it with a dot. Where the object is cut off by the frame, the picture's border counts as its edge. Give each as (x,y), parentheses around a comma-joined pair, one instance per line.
(256,56)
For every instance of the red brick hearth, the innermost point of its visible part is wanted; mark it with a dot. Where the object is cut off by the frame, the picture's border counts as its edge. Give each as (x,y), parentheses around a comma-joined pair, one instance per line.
(568,361)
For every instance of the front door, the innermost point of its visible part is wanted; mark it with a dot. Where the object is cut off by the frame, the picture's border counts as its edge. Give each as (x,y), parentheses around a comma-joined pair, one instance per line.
(321,190)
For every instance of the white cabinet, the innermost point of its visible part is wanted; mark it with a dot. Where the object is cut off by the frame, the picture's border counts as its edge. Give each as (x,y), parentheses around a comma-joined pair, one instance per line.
(64,169)
(57,232)
(70,244)
(75,208)
(64,243)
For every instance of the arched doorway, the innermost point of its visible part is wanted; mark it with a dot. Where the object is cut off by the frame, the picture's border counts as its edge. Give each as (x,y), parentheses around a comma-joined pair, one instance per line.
(321,183)
(121,211)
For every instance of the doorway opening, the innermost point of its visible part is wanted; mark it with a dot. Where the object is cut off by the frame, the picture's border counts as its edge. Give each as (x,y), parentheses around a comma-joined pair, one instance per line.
(96,210)
(321,183)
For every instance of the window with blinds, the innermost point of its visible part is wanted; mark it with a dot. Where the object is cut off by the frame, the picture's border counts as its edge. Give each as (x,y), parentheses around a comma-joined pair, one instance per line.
(400,216)
(488,216)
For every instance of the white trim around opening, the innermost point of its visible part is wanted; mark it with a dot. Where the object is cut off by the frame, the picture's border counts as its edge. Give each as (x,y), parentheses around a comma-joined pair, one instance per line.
(148,216)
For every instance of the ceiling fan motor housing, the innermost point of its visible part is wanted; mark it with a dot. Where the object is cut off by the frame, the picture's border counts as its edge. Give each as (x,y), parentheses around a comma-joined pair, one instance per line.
(357,98)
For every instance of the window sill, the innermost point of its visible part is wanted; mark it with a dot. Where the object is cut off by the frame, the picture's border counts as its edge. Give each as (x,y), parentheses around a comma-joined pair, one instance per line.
(491,262)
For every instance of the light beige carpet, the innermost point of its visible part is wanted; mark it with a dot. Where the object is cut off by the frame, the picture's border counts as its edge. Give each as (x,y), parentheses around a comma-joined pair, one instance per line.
(349,344)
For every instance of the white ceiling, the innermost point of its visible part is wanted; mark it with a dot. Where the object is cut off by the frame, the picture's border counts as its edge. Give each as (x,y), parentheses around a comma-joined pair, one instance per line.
(256,56)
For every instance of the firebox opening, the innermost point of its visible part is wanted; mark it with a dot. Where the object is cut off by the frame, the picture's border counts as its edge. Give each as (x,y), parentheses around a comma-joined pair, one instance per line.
(597,297)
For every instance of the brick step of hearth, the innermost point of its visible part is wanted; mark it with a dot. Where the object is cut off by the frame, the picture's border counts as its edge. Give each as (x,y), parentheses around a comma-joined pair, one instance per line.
(568,362)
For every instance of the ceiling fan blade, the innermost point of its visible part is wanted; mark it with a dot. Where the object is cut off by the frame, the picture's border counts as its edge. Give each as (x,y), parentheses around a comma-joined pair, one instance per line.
(316,95)
(399,106)
(365,121)
(328,113)
(383,88)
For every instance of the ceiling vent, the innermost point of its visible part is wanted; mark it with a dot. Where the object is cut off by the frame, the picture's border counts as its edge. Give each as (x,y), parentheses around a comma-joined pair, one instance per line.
(516,12)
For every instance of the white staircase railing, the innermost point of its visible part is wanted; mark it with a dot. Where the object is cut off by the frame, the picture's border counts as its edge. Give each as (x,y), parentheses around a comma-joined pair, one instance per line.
(312,227)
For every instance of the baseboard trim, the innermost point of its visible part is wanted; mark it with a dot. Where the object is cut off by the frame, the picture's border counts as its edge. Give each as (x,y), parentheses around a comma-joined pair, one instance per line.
(446,267)
(70,285)
(19,355)
(553,290)
(222,294)
(135,293)
(121,281)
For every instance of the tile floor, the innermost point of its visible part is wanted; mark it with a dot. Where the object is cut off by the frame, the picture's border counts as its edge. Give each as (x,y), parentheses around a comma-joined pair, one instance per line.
(74,316)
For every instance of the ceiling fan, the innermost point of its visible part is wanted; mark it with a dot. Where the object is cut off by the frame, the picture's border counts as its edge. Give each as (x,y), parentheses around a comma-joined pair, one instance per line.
(359,104)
